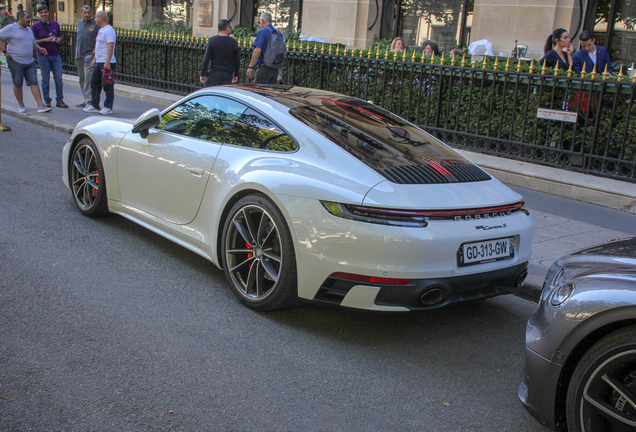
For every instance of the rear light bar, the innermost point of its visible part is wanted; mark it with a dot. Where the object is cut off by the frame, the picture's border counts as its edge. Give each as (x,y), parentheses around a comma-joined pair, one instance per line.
(417,218)
(370,279)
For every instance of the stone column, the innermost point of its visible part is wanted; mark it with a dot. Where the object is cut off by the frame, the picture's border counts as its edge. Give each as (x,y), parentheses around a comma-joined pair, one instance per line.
(221,9)
(341,21)
(528,21)
(132,14)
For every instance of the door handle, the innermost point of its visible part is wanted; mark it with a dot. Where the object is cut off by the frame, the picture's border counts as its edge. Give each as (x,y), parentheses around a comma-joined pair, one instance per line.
(195,170)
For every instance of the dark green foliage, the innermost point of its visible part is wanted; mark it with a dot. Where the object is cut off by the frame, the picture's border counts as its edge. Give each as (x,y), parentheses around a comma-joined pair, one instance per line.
(166,26)
(6,20)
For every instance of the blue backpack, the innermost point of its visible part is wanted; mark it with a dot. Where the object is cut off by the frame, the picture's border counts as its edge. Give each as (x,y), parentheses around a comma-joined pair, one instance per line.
(274,56)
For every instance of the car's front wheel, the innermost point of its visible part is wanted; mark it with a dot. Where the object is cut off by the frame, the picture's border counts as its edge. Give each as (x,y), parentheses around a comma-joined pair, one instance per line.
(87,179)
(258,255)
(602,392)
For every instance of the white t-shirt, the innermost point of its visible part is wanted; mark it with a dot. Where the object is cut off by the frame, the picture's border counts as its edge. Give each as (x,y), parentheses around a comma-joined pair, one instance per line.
(593,55)
(105,36)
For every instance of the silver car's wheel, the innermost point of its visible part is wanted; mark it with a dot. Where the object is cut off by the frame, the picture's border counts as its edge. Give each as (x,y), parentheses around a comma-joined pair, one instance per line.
(258,254)
(602,392)
(87,179)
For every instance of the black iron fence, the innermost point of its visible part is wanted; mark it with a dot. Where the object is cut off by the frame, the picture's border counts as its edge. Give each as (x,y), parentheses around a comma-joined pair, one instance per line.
(585,123)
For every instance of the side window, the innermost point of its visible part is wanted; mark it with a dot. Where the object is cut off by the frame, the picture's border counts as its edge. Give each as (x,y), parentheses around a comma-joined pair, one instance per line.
(257,131)
(206,117)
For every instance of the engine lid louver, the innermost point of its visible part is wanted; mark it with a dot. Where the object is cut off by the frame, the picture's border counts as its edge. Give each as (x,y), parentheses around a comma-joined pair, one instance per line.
(433,173)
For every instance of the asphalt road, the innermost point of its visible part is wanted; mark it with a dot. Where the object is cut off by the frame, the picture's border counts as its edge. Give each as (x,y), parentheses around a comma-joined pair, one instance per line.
(107,326)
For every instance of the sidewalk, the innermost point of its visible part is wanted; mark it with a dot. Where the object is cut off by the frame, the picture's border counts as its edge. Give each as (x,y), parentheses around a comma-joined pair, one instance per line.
(555,235)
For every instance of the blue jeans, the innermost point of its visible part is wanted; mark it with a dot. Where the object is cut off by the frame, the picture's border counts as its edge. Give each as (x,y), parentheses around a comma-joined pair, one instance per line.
(50,64)
(96,87)
(23,72)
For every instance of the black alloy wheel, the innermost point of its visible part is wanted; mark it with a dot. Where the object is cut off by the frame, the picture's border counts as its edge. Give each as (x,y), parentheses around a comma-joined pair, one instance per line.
(87,179)
(258,255)
(602,392)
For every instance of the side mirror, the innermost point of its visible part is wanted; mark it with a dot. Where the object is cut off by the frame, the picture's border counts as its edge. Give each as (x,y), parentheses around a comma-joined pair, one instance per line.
(147,120)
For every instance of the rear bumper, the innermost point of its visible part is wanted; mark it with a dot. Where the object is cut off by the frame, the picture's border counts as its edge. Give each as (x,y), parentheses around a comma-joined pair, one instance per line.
(423,294)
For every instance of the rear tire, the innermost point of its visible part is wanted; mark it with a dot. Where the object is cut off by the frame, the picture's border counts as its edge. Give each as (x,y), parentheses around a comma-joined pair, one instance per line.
(87,179)
(602,392)
(258,255)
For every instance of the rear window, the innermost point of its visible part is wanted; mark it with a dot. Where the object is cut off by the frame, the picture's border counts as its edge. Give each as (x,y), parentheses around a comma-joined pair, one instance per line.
(398,150)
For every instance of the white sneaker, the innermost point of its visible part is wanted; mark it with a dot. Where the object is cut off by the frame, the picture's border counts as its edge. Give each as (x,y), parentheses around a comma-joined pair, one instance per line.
(43,108)
(90,108)
(106,111)
(22,109)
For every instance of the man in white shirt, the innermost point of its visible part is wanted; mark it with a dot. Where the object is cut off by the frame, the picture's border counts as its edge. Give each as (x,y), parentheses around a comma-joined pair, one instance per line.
(103,66)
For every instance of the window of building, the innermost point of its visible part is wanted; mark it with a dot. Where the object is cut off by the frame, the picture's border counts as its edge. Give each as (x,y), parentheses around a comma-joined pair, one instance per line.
(614,24)
(179,12)
(286,14)
(445,22)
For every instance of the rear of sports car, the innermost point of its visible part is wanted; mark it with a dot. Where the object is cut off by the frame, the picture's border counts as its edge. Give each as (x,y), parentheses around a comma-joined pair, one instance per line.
(435,229)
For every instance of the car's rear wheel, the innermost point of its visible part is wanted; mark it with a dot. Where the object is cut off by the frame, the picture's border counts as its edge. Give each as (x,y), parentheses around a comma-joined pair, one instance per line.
(87,179)
(602,392)
(258,255)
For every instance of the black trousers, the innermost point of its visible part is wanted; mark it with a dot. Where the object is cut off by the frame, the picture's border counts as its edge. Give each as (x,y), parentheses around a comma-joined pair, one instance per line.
(218,78)
(266,75)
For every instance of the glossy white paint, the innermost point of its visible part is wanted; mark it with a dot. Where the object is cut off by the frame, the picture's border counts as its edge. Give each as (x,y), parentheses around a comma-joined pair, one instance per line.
(179,187)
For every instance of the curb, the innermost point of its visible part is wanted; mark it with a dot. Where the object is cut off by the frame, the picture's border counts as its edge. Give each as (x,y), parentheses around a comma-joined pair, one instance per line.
(41,121)
(616,194)
(130,92)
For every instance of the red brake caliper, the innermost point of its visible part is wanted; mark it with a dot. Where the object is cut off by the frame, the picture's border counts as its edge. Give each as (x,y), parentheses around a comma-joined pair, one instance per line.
(249,255)
(96,181)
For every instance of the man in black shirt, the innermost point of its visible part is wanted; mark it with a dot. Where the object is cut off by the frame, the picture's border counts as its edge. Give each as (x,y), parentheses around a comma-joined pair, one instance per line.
(221,60)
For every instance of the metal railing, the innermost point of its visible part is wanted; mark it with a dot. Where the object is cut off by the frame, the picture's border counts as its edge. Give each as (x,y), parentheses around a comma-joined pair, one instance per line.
(489,107)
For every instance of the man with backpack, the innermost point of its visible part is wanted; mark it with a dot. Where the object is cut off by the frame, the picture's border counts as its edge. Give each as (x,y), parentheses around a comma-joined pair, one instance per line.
(269,52)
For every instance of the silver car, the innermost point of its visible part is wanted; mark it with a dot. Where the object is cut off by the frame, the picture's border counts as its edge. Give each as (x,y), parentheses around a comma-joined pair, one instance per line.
(580,372)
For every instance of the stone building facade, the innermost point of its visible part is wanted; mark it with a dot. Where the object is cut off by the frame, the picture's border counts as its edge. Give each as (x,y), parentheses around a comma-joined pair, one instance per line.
(355,23)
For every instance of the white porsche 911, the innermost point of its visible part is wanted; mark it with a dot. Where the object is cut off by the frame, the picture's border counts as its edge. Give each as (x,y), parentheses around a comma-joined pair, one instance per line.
(306,194)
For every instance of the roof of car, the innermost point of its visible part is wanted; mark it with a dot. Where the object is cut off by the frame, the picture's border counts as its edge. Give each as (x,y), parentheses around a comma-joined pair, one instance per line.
(291,96)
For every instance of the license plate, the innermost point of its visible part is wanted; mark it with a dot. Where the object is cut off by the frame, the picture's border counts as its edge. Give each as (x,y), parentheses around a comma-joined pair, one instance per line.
(485,251)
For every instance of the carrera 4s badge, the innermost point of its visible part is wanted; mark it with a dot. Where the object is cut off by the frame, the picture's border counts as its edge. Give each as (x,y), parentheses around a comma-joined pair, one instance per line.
(489,227)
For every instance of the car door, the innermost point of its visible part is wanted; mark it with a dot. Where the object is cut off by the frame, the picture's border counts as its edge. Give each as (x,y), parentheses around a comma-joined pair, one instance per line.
(166,173)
